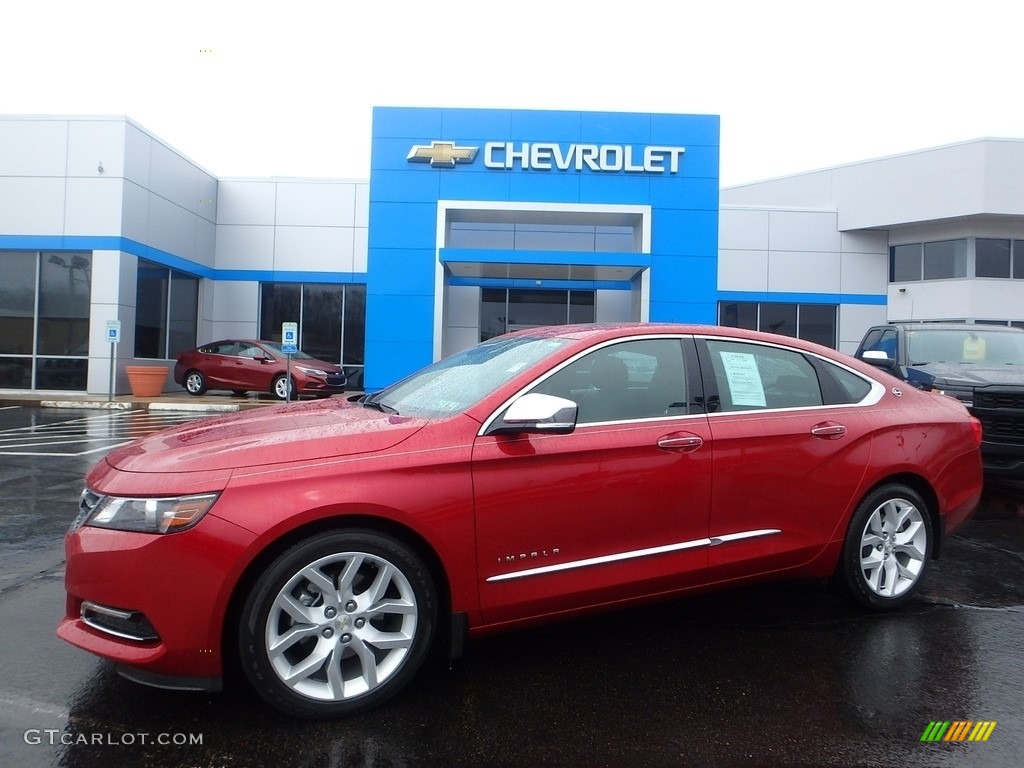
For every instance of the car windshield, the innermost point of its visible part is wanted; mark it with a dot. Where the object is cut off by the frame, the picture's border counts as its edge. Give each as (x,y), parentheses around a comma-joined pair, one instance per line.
(457,382)
(974,345)
(277,350)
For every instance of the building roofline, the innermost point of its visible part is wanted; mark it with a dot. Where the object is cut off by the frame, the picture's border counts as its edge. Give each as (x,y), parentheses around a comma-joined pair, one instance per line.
(880,158)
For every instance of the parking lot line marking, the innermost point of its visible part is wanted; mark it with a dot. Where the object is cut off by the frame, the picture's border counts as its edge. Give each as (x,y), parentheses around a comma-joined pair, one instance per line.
(104,431)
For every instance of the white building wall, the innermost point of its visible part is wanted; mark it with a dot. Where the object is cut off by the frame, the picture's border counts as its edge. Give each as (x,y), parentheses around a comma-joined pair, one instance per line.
(106,177)
(282,225)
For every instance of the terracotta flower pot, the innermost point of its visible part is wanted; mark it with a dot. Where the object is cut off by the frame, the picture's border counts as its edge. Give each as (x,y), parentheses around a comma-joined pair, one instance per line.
(146,380)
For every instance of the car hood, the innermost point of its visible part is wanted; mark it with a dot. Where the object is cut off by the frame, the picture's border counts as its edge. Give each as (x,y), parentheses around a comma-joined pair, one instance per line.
(271,435)
(971,374)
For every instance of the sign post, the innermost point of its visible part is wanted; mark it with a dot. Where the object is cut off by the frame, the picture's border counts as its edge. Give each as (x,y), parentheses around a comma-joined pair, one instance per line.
(113,336)
(289,345)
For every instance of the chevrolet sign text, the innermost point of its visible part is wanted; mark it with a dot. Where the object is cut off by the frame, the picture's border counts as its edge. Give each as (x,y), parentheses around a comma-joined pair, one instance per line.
(541,156)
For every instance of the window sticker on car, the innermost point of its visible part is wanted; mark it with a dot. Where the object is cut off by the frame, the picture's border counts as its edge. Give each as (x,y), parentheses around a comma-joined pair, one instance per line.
(745,383)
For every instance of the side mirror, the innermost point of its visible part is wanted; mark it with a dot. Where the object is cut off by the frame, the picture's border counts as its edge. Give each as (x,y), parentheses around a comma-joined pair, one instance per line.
(535,412)
(877,357)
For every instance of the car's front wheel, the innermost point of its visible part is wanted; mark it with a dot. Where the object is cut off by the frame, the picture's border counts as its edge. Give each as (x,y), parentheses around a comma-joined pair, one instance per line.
(195,383)
(337,624)
(888,545)
(281,386)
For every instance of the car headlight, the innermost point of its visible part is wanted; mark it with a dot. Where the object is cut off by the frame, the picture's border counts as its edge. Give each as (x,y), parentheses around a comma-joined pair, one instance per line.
(310,371)
(168,515)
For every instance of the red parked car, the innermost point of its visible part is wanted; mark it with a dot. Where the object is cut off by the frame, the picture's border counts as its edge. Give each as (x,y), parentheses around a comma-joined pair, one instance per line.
(329,545)
(245,365)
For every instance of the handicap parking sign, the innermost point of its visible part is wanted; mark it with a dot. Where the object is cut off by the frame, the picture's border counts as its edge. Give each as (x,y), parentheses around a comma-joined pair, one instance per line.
(289,338)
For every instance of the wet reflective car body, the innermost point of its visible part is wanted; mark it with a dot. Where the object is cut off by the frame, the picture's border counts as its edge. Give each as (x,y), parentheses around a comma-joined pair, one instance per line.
(547,473)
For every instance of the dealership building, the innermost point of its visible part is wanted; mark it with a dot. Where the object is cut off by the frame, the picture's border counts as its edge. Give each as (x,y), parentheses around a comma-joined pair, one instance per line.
(474,223)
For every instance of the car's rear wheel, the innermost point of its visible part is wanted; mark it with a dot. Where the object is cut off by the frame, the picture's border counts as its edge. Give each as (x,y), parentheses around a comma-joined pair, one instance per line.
(337,624)
(280,387)
(195,383)
(888,545)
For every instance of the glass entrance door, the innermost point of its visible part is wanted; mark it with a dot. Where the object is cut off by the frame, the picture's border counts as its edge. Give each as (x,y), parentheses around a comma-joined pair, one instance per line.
(512,309)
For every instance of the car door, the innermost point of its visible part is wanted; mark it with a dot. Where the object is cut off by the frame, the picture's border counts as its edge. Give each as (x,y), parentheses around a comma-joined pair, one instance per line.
(791,447)
(217,364)
(615,509)
(252,371)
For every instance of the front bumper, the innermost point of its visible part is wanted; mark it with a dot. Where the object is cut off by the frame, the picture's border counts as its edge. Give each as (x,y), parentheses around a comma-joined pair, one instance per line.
(1005,460)
(176,584)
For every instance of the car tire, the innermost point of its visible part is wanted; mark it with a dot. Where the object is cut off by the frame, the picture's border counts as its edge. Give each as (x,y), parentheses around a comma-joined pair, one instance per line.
(337,624)
(195,383)
(279,387)
(887,548)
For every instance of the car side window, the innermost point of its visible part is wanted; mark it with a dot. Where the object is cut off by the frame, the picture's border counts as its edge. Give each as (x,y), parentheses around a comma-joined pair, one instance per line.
(221,348)
(641,379)
(882,341)
(753,377)
(250,350)
(852,387)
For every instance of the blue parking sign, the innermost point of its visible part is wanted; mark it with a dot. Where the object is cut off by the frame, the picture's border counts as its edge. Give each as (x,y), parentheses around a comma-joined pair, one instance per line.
(289,338)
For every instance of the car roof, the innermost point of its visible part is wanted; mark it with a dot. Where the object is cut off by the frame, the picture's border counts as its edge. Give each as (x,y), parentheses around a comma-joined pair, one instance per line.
(606,331)
(956,327)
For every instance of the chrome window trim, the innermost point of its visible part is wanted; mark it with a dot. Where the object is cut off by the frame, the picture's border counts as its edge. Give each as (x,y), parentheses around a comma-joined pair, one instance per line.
(634,554)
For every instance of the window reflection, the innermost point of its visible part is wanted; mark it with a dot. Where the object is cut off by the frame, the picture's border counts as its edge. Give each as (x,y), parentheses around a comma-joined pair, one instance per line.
(45,301)
(166,311)
(813,322)
(331,318)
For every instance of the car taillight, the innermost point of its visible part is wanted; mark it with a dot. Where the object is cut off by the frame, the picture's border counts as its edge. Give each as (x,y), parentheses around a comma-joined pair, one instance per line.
(976,427)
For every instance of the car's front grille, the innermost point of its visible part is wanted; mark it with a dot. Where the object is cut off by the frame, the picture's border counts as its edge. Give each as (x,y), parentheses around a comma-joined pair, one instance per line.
(1001,412)
(984,398)
(130,625)
(1003,428)
(335,381)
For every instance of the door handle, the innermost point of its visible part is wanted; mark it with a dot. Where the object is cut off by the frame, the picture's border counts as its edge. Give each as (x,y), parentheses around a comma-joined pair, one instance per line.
(682,443)
(829,430)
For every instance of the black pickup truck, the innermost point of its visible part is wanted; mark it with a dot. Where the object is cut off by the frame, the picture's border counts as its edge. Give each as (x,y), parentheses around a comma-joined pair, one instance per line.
(981,365)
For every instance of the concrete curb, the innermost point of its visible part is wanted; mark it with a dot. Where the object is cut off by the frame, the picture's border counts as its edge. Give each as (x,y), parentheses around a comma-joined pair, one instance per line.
(199,407)
(106,406)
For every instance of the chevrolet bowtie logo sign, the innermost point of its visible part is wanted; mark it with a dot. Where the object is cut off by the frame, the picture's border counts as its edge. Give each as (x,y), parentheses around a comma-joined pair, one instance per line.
(441,154)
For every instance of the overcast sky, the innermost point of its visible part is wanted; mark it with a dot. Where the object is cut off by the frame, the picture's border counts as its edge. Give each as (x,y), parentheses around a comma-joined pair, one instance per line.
(286,88)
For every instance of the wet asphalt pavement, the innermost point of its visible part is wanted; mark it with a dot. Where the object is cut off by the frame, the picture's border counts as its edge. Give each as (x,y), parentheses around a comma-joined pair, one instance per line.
(779,675)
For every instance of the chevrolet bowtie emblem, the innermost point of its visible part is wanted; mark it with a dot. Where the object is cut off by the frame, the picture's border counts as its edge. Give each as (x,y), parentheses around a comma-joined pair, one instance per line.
(442,154)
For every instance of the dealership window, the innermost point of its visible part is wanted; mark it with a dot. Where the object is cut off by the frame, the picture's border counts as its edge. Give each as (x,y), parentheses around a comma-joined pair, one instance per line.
(812,322)
(44,320)
(166,311)
(541,237)
(999,258)
(331,318)
(511,309)
(940,260)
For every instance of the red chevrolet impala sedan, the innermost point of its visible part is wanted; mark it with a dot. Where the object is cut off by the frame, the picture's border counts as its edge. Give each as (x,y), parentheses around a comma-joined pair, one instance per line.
(328,545)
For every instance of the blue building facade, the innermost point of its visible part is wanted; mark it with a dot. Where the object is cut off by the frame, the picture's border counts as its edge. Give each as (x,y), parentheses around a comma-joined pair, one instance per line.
(507,200)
